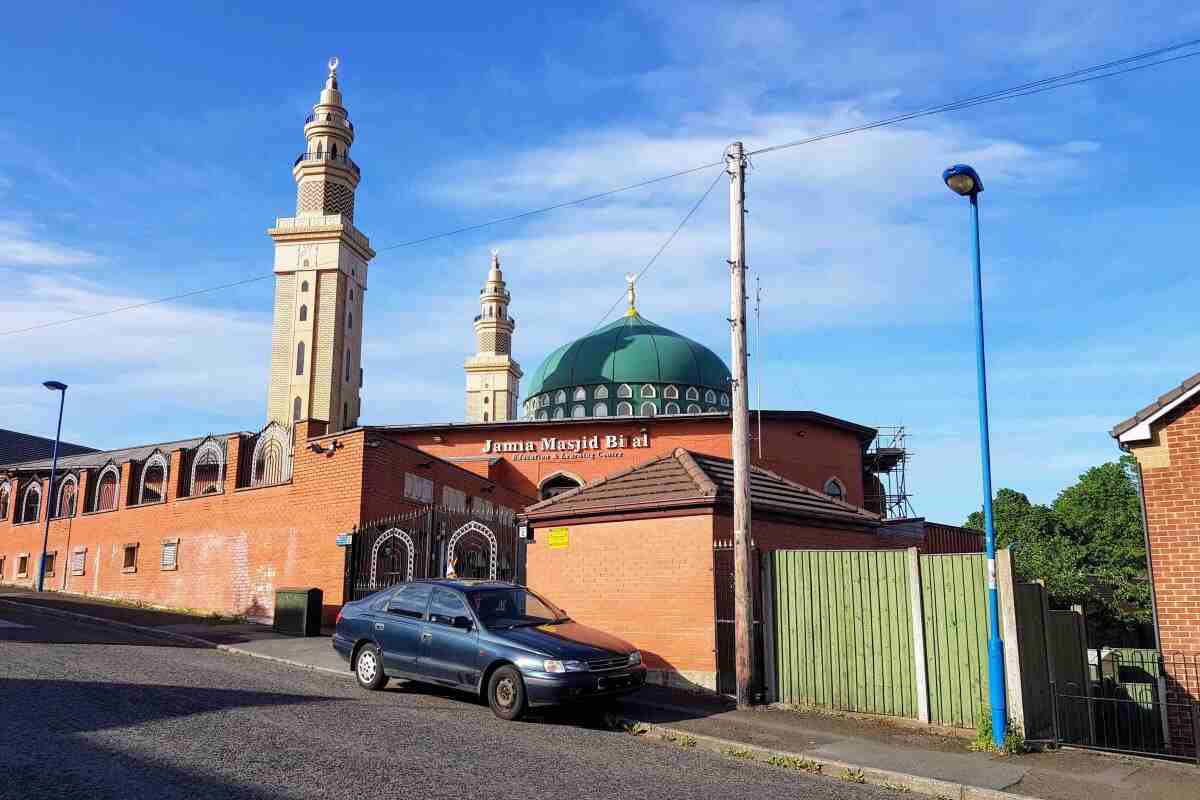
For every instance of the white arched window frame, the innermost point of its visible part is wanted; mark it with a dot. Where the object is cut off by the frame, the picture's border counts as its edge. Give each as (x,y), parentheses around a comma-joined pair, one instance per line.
(710,396)
(542,415)
(392,533)
(105,497)
(67,497)
(671,409)
(5,499)
(560,396)
(624,409)
(693,393)
(31,503)
(157,462)
(713,410)
(648,409)
(670,393)
(648,391)
(580,394)
(601,392)
(559,413)
(600,410)
(272,456)
(624,391)
(835,489)
(208,467)
(486,533)
(693,408)
(578,412)
(724,399)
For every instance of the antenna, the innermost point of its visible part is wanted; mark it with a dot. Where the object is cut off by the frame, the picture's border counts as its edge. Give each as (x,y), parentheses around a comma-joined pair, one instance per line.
(757,351)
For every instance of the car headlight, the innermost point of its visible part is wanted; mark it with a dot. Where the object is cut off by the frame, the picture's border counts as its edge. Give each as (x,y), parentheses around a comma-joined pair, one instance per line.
(635,657)
(556,666)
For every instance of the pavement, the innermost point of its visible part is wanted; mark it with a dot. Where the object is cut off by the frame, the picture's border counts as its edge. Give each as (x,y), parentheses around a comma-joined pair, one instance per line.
(891,754)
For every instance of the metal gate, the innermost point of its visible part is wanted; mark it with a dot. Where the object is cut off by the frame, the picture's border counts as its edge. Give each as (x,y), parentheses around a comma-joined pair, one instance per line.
(723,580)
(432,542)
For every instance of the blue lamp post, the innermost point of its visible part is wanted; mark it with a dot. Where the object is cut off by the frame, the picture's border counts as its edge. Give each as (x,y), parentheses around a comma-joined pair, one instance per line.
(965,181)
(61,388)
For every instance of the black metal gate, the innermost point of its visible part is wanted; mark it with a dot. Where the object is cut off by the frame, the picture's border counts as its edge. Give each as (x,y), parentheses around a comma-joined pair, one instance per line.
(724,602)
(430,542)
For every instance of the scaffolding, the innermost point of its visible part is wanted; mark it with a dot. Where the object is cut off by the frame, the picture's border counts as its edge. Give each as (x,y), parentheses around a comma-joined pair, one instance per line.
(886,490)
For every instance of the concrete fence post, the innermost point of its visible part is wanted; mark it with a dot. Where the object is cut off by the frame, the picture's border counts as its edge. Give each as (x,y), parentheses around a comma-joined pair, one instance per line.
(1012,643)
(920,665)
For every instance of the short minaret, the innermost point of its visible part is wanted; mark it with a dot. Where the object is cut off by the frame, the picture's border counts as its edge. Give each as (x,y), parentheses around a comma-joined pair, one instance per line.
(493,378)
(320,278)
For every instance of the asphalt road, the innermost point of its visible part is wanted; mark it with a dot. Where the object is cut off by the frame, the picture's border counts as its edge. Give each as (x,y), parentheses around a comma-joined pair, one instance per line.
(90,712)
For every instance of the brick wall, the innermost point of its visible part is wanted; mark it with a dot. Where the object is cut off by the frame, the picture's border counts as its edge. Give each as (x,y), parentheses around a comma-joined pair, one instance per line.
(648,581)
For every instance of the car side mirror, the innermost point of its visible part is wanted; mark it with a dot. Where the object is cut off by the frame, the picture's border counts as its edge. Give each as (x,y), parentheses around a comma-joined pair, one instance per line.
(464,623)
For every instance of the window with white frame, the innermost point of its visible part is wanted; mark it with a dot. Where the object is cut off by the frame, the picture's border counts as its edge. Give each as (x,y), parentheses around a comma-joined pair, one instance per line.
(418,488)
(648,409)
(580,394)
(170,555)
(129,557)
(22,565)
(541,415)
(600,410)
(624,391)
(601,392)
(454,499)
(648,391)
(672,409)
(558,413)
(624,409)
(724,400)
(693,408)
(78,560)
(560,396)
(710,396)
(671,393)
(693,393)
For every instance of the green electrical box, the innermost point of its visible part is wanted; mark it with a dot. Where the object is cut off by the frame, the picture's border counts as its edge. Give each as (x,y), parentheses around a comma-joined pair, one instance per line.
(298,611)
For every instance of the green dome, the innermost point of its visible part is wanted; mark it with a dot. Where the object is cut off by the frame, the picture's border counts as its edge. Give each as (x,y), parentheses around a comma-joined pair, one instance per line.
(634,360)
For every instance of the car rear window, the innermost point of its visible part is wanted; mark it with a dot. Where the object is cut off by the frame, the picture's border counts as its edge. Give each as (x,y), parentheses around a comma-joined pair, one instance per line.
(410,601)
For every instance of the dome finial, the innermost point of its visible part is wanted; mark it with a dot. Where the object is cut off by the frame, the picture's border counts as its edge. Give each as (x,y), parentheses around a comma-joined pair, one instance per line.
(631,279)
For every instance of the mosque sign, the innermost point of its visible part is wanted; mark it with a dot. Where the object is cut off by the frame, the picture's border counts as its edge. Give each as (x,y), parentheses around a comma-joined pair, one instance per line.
(553,448)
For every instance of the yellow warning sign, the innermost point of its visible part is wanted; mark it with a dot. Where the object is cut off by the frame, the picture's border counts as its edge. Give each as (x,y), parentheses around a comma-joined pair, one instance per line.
(558,538)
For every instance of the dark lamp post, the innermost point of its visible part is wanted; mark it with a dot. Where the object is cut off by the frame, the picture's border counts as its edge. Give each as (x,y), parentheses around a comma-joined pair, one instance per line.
(61,388)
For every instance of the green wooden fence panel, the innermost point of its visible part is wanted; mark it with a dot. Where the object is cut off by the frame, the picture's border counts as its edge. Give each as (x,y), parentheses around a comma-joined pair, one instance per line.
(954,600)
(843,630)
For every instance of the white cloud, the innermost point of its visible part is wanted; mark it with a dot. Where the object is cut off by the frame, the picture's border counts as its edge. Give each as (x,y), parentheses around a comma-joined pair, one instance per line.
(21,247)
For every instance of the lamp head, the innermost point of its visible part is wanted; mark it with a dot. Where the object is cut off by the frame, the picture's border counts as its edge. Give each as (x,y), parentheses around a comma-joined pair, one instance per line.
(55,386)
(963,179)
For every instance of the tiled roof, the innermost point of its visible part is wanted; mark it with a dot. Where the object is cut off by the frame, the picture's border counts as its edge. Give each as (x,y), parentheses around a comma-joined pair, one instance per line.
(686,478)
(97,458)
(1153,408)
(16,447)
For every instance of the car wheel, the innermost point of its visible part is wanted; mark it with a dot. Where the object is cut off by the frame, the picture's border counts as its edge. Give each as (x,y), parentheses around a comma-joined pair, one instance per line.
(506,693)
(368,668)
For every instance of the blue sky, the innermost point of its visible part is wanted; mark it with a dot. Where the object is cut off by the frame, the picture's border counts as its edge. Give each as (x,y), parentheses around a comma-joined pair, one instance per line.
(144,152)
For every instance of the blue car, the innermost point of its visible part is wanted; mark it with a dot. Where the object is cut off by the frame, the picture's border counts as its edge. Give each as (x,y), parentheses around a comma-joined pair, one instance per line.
(498,640)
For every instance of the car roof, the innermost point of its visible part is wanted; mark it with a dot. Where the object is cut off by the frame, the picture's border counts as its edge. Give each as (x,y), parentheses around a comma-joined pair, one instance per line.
(466,585)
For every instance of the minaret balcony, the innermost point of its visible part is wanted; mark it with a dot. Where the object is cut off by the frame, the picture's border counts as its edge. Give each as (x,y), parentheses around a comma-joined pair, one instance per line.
(335,158)
(313,116)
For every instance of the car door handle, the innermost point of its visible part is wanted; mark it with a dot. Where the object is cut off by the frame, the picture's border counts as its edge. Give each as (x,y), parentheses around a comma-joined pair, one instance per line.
(378,626)
(425,637)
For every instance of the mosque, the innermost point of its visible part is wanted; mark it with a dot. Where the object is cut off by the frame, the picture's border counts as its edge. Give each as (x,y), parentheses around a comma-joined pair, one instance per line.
(607,486)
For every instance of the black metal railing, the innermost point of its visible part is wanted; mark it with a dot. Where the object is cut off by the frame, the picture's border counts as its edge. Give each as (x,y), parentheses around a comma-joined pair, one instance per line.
(312,117)
(322,156)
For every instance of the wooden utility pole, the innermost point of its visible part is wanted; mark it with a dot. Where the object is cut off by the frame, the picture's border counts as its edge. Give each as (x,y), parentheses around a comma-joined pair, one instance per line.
(743,600)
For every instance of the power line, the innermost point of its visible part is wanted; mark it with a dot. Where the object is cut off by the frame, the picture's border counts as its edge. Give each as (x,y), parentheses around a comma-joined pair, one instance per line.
(1021,90)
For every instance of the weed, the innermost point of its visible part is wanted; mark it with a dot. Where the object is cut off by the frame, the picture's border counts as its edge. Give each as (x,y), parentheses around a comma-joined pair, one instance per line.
(617,723)
(853,775)
(1014,737)
(895,787)
(681,739)
(739,752)
(795,762)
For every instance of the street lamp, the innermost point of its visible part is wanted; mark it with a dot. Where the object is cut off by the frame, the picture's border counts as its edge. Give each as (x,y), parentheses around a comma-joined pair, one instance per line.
(965,181)
(53,386)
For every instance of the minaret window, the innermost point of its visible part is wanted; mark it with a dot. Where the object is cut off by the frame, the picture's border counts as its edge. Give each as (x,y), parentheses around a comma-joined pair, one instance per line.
(600,410)
(672,409)
(624,391)
(349,323)
(296,410)
(648,409)
(693,409)
(693,394)
(671,393)
(303,313)
(580,394)
(601,392)
(347,366)
(624,410)
(300,358)
(345,415)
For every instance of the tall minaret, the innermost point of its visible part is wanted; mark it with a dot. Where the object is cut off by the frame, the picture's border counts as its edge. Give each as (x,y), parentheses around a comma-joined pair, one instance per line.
(493,378)
(320,278)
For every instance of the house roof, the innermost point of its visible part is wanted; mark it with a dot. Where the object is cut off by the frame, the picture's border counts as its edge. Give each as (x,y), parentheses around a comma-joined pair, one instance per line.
(684,478)
(16,447)
(1137,427)
(98,458)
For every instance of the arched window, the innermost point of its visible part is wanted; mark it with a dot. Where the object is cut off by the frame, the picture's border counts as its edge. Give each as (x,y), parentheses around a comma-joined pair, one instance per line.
(153,486)
(693,393)
(303,313)
(320,149)
(724,400)
(296,410)
(648,409)
(542,414)
(648,391)
(693,408)
(68,497)
(345,414)
(208,466)
(349,320)
(347,366)
(624,410)
(31,503)
(5,499)
(624,391)
(304,284)
(300,358)
(671,393)
(601,392)
(557,484)
(560,396)
(713,410)
(351,294)
(835,489)
(272,456)
(580,394)
(333,150)
(600,410)
(578,412)
(106,489)
(710,396)
(672,408)
(558,413)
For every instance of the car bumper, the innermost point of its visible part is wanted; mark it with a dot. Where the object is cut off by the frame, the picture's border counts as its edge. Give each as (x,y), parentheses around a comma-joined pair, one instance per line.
(343,647)
(546,690)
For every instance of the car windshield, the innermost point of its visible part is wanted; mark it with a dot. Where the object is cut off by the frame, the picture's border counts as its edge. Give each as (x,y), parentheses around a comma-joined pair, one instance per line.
(511,608)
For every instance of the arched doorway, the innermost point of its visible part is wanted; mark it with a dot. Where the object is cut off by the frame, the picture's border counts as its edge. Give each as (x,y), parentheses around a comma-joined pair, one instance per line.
(471,553)
(392,558)
(558,483)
